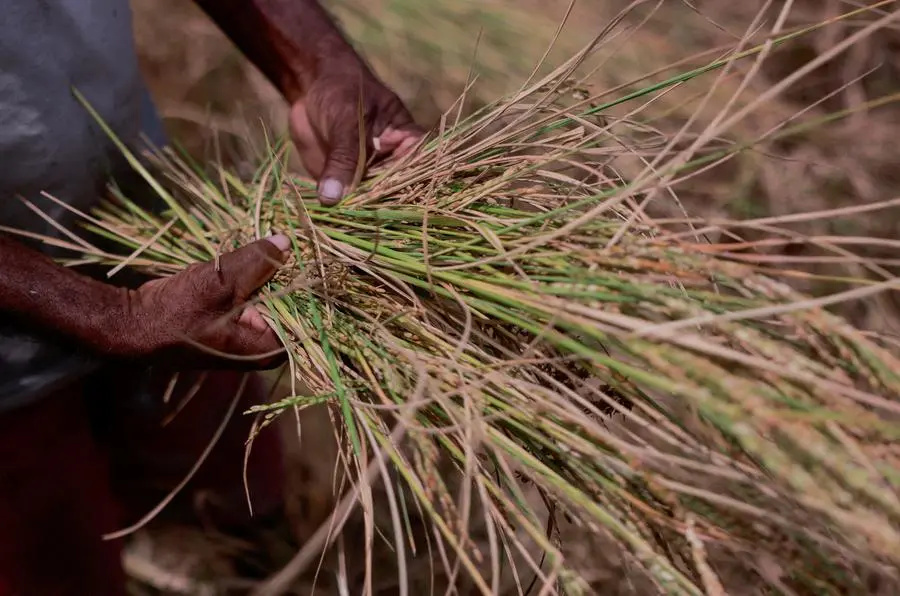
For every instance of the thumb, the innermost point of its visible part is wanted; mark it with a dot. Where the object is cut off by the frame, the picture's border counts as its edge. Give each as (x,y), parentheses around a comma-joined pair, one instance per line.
(308,143)
(342,161)
(251,266)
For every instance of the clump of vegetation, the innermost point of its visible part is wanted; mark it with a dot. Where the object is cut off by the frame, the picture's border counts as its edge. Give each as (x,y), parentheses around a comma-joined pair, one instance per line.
(496,316)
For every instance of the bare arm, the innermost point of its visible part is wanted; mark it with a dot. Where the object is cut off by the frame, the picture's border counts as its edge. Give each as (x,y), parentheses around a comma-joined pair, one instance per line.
(35,288)
(203,303)
(298,47)
(291,41)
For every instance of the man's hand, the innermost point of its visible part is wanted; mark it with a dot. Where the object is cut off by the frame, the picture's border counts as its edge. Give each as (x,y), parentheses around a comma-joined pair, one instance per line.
(201,315)
(198,318)
(325,127)
(301,51)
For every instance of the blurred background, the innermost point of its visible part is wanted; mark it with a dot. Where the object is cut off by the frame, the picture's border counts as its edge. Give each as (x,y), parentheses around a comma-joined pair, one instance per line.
(214,102)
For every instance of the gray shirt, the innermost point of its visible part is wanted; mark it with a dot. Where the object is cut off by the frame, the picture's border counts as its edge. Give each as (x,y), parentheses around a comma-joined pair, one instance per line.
(50,143)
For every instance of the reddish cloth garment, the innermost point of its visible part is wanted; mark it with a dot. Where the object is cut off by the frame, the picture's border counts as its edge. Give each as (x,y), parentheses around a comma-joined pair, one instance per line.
(69,475)
(55,502)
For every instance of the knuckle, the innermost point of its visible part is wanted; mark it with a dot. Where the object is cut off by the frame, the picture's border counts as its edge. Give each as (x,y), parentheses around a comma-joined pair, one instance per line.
(209,284)
(344,155)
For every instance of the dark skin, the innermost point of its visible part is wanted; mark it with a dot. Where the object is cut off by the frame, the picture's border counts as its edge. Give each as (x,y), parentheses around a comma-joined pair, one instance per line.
(302,52)
(186,318)
(203,312)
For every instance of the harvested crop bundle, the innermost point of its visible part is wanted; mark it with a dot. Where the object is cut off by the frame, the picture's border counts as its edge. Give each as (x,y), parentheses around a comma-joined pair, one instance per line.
(498,306)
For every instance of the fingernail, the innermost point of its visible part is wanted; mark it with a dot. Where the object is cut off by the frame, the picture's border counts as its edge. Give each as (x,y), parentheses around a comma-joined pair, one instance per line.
(330,191)
(282,242)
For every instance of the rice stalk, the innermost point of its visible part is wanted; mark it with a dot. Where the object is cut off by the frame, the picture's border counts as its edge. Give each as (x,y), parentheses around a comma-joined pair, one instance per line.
(662,393)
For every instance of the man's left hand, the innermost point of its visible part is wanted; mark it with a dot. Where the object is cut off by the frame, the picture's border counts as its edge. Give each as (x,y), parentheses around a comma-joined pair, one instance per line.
(325,127)
(299,48)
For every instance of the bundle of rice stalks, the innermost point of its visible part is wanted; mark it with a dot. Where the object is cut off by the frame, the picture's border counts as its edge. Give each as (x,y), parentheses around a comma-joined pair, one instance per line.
(495,316)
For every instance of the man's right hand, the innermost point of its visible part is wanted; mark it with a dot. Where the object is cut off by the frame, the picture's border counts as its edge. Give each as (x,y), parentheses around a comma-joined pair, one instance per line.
(198,318)
(201,315)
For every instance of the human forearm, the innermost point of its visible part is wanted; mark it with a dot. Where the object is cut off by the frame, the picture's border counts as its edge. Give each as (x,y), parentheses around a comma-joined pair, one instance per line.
(292,41)
(205,305)
(35,288)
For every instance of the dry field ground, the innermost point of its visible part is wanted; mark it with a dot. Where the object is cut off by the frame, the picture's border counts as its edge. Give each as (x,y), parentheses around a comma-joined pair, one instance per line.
(424,49)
